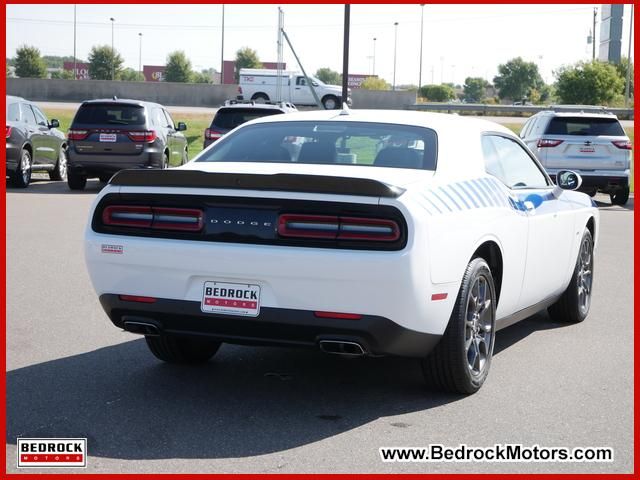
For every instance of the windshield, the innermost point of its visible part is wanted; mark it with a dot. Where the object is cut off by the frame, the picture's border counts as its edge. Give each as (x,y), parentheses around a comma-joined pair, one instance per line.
(329,143)
(585,126)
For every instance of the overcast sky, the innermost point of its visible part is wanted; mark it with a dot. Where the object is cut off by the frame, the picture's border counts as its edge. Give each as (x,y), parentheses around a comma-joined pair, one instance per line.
(459,40)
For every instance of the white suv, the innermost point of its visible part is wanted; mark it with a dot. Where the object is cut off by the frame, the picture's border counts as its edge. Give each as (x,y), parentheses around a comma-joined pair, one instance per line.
(592,143)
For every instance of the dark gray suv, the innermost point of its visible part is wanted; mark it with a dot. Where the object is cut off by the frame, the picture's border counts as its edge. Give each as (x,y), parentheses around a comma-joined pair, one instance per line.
(109,135)
(34,144)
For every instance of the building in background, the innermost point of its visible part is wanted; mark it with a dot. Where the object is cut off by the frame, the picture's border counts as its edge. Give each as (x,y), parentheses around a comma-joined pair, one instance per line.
(356,79)
(611,33)
(82,69)
(153,73)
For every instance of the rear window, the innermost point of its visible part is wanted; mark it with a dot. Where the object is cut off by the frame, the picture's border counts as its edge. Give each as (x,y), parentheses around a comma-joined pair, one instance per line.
(230,118)
(329,142)
(584,126)
(110,114)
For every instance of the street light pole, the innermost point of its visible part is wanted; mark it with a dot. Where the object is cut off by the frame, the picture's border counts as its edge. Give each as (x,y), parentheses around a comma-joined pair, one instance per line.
(140,55)
(222,50)
(593,38)
(395,49)
(113,52)
(374,56)
(627,88)
(421,33)
(75,63)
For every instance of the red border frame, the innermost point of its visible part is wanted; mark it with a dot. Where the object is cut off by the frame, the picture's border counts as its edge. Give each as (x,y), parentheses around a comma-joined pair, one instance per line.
(3,313)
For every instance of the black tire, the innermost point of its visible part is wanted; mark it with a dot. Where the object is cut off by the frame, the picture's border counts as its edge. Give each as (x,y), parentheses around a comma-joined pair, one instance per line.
(260,98)
(75,181)
(173,349)
(330,102)
(21,178)
(620,196)
(59,172)
(451,366)
(571,306)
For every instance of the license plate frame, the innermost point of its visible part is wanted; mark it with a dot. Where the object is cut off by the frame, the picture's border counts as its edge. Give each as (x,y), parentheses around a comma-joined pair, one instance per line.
(108,137)
(226,298)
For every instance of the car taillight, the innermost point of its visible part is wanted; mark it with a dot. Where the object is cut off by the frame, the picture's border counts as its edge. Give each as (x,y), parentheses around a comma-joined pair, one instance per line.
(137,298)
(338,315)
(157,218)
(623,144)
(338,228)
(146,136)
(211,134)
(78,134)
(8,131)
(546,142)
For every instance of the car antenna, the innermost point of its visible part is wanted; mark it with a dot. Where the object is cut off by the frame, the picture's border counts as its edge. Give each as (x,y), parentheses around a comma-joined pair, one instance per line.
(114,98)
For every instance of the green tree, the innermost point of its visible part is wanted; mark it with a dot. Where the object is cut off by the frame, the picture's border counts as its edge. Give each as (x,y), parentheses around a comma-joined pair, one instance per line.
(178,68)
(622,71)
(474,89)
(201,77)
(104,63)
(517,78)
(588,83)
(131,75)
(329,76)
(437,93)
(63,75)
(374,83)
(54,61)
(29,63)
(246,58)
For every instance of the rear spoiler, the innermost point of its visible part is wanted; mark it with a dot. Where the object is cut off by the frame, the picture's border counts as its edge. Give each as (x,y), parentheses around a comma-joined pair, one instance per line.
(248,181)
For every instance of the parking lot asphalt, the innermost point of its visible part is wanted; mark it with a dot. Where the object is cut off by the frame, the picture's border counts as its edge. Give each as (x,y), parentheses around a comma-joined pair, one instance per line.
(70,373)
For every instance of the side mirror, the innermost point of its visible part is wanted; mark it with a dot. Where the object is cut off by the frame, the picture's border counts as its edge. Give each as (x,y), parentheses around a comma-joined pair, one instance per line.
(181,126)
(568,180)
(54,123)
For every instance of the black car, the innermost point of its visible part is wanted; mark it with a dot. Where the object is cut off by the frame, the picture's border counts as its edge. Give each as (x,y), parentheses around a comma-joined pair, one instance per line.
(33,143)
(112,134)
(235,113)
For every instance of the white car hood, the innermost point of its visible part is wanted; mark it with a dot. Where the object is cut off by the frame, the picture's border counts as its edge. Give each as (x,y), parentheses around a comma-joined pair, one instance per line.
(399,177)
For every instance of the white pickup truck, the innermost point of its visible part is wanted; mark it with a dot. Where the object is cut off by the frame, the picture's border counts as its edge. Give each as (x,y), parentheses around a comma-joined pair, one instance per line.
(261,85)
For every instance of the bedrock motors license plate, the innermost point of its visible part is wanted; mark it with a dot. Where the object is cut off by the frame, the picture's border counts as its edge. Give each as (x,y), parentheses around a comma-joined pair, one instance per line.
(231,299)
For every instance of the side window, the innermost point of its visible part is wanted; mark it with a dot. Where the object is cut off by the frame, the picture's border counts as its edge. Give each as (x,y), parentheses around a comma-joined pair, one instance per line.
(158,118)
(40,117)
(301,81)
(525,128)
(27,114)
(510,163)
(13,112)
(170,123)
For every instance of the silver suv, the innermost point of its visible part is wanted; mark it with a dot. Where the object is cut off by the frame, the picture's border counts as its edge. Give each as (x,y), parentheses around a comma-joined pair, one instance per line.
(592,143)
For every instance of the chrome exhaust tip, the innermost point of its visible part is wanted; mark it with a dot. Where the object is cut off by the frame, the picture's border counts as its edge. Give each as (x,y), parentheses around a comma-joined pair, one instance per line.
(142,328)
(340,347)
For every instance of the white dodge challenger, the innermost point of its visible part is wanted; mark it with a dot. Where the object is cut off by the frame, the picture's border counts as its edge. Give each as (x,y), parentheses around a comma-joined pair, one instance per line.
(357,232)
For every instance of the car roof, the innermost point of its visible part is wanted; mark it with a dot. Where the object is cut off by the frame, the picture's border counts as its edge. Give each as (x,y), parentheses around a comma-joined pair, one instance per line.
(13,99)
(582,113)
(126,101)
(435,121)
(282,106)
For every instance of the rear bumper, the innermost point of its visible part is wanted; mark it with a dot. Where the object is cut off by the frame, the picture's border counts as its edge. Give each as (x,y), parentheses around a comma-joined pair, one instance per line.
(274,326)
(98,165)
(13,153)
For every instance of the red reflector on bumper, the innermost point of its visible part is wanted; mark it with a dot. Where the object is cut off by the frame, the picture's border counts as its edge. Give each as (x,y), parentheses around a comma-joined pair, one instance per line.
(341,316)
(137,298)
(439,296)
